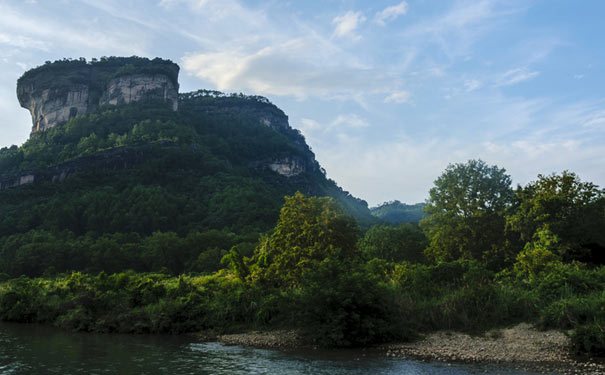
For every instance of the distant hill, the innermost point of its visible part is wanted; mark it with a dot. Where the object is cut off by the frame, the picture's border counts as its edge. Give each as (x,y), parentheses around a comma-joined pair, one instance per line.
(396,212)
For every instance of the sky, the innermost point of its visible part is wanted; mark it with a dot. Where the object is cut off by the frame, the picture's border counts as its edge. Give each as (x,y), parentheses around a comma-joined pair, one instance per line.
(386,93)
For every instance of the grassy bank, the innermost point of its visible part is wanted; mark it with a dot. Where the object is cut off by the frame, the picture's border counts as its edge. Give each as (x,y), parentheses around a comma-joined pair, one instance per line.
(376,302)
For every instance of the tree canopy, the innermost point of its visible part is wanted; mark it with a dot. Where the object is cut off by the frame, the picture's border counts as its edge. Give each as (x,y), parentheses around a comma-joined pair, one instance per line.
(466,208)
(308,231)
(571,209)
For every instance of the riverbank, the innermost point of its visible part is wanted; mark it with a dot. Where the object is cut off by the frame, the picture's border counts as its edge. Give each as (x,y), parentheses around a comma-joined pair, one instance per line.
(520,347)
(276,339)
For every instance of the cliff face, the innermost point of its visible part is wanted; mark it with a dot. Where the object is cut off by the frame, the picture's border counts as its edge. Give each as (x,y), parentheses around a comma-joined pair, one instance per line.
(58,91)
(140,87)
(49,107)
(290,166)
(55,92)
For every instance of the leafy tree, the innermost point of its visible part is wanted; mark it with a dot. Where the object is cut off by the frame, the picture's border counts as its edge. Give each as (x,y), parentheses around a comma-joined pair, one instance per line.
(404,242)
(466,208)
(540,254)
(309,230)
(562,204)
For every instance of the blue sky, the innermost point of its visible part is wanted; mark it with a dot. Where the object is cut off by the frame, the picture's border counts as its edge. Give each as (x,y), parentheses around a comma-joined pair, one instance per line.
(387,93)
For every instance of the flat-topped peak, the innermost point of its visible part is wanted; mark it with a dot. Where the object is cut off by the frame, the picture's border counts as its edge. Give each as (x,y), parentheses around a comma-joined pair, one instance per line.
(57,91)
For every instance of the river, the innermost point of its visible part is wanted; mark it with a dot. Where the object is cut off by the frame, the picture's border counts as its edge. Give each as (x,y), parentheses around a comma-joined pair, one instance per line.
(33,349)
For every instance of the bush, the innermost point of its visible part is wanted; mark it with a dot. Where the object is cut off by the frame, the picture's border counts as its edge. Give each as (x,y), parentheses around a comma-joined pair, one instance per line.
(589,338)
(342,305)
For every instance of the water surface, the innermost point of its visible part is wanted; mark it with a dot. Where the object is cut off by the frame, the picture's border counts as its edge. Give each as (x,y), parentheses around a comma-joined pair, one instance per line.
(33,349)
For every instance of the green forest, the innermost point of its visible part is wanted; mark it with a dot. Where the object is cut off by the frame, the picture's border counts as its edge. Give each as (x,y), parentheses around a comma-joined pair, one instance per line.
(190,231)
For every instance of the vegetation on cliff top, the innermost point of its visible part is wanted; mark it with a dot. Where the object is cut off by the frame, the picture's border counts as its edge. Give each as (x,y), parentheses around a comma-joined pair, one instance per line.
(62,74)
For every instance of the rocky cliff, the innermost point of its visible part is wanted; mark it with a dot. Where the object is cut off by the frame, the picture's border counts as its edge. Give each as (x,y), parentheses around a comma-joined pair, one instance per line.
(55,92)
(50,106)
(58,91)
(261,110)
(140,87)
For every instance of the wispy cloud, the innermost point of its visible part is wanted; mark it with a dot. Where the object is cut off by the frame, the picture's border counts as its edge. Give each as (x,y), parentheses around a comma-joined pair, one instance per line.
(398,97)
(458,29)
(43,33)
(514,76)
(349,120)
(472,85)
(309,66)
(391,13)
(404,168)
(347,23)
(21,41)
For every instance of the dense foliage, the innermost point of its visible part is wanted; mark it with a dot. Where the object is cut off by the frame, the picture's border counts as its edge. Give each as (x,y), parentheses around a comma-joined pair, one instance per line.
(64,73)
(170,222)
(396,212)
(466,209)
(143,172)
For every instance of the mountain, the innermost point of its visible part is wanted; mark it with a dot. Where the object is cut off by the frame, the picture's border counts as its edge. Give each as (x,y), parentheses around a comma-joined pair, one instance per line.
(122,172)
(396,212)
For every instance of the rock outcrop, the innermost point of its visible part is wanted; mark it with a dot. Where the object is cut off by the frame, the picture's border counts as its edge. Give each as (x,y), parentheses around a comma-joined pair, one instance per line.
(55,92)
(49,107)
(289,166)
(140,87)
(58,91)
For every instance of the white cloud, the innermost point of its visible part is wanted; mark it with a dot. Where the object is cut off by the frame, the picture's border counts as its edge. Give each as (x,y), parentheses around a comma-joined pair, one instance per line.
(308,125)
(514,76)
(398,97)
(192,3)
(347,24)
(405,169)
(349,120)
(391,13)
(456,31)
(597,120)
(309,66)
(46,34)
(472,85)
(21,41)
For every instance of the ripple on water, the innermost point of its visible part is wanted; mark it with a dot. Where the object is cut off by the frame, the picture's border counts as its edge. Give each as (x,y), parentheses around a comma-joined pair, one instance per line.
(32,350)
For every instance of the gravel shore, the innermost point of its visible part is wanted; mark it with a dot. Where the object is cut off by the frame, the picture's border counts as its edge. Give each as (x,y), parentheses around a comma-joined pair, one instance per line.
(520,347)
(279,339)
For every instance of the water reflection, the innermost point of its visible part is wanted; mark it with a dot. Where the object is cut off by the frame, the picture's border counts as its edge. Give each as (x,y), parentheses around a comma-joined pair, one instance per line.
(31,349)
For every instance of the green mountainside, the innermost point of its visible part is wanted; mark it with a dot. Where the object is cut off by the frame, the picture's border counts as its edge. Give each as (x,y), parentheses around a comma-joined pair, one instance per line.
(396,212)
(110,186)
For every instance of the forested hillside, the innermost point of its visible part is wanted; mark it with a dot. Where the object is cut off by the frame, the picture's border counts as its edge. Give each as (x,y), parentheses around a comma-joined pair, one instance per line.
(396,212)
(143,187)
(216,217)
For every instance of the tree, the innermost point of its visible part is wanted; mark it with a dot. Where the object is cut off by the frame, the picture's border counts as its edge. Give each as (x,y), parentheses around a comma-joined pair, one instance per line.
(308,231)
(404,242)
(571,209)
(466,208)
(539,255)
